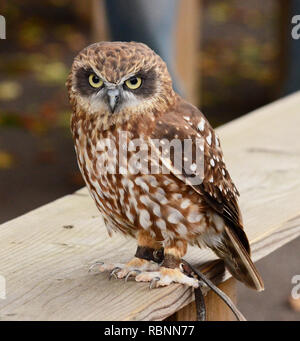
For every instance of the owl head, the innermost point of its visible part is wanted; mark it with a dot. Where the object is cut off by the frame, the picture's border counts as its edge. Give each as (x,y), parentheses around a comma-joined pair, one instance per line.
(113,78)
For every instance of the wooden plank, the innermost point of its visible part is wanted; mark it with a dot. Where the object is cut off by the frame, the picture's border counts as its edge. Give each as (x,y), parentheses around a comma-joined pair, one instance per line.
(188,37)
(216,309)
(45,261)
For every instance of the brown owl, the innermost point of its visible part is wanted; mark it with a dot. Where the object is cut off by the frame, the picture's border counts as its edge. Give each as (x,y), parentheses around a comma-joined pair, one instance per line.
(130,131)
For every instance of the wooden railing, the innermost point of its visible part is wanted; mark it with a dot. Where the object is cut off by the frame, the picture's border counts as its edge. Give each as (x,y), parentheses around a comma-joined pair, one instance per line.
(45,254)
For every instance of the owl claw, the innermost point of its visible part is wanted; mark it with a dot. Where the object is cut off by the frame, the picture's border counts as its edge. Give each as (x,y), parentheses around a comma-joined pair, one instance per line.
(119,270)
(153,282)
(166,276)
(133,272)
(91,268)
(114,272)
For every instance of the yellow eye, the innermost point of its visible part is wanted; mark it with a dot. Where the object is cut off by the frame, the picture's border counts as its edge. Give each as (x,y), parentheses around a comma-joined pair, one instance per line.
(134,83)
(95,81)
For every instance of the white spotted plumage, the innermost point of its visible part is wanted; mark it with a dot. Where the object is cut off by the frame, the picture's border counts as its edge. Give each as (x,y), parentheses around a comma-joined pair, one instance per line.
(157,209)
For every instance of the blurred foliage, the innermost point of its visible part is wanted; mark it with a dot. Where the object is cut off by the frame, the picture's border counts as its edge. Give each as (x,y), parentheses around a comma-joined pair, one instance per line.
(10,90)
(239,57)
(51,73)
(43,38)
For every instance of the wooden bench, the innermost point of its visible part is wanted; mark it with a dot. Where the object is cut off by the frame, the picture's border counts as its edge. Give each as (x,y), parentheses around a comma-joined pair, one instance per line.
(45,254)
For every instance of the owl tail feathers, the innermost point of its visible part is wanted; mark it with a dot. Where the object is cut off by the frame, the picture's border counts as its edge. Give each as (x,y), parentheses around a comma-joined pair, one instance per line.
(238,261)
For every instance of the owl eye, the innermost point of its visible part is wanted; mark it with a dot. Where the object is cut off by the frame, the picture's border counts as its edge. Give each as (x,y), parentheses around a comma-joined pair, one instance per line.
(133,83)
(95,81)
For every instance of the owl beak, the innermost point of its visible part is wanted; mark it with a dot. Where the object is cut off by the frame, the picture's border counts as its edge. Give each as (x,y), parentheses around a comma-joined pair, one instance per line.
(113,96)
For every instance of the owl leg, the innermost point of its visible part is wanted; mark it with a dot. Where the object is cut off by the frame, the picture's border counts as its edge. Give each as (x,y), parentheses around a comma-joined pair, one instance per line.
(170,270)
(147,258)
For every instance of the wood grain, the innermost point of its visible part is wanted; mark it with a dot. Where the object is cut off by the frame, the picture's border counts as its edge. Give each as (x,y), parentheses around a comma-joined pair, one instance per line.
(45,254)
(216,309)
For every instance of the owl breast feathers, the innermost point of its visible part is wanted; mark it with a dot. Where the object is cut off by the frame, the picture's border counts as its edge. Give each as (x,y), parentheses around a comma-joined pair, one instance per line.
(137,145)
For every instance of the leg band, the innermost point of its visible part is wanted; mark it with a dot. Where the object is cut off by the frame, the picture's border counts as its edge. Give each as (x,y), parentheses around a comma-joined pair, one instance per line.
(148,253)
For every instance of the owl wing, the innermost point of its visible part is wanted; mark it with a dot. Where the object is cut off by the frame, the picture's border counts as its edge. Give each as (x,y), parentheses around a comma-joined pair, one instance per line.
(212,182)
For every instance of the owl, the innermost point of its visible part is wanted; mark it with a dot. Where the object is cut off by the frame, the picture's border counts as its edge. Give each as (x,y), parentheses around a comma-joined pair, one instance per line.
(130,130)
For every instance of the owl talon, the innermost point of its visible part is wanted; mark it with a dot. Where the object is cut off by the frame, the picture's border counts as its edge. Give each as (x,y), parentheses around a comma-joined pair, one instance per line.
(132,273)
(91,268)
(153,282)
(166,276)
(118,270)
(114,272)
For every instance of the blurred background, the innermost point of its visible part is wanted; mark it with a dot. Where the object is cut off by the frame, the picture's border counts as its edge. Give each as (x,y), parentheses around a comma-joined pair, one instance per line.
(227,57)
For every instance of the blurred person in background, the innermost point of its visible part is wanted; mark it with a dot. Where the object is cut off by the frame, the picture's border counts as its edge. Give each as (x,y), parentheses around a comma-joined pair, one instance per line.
(150,22)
